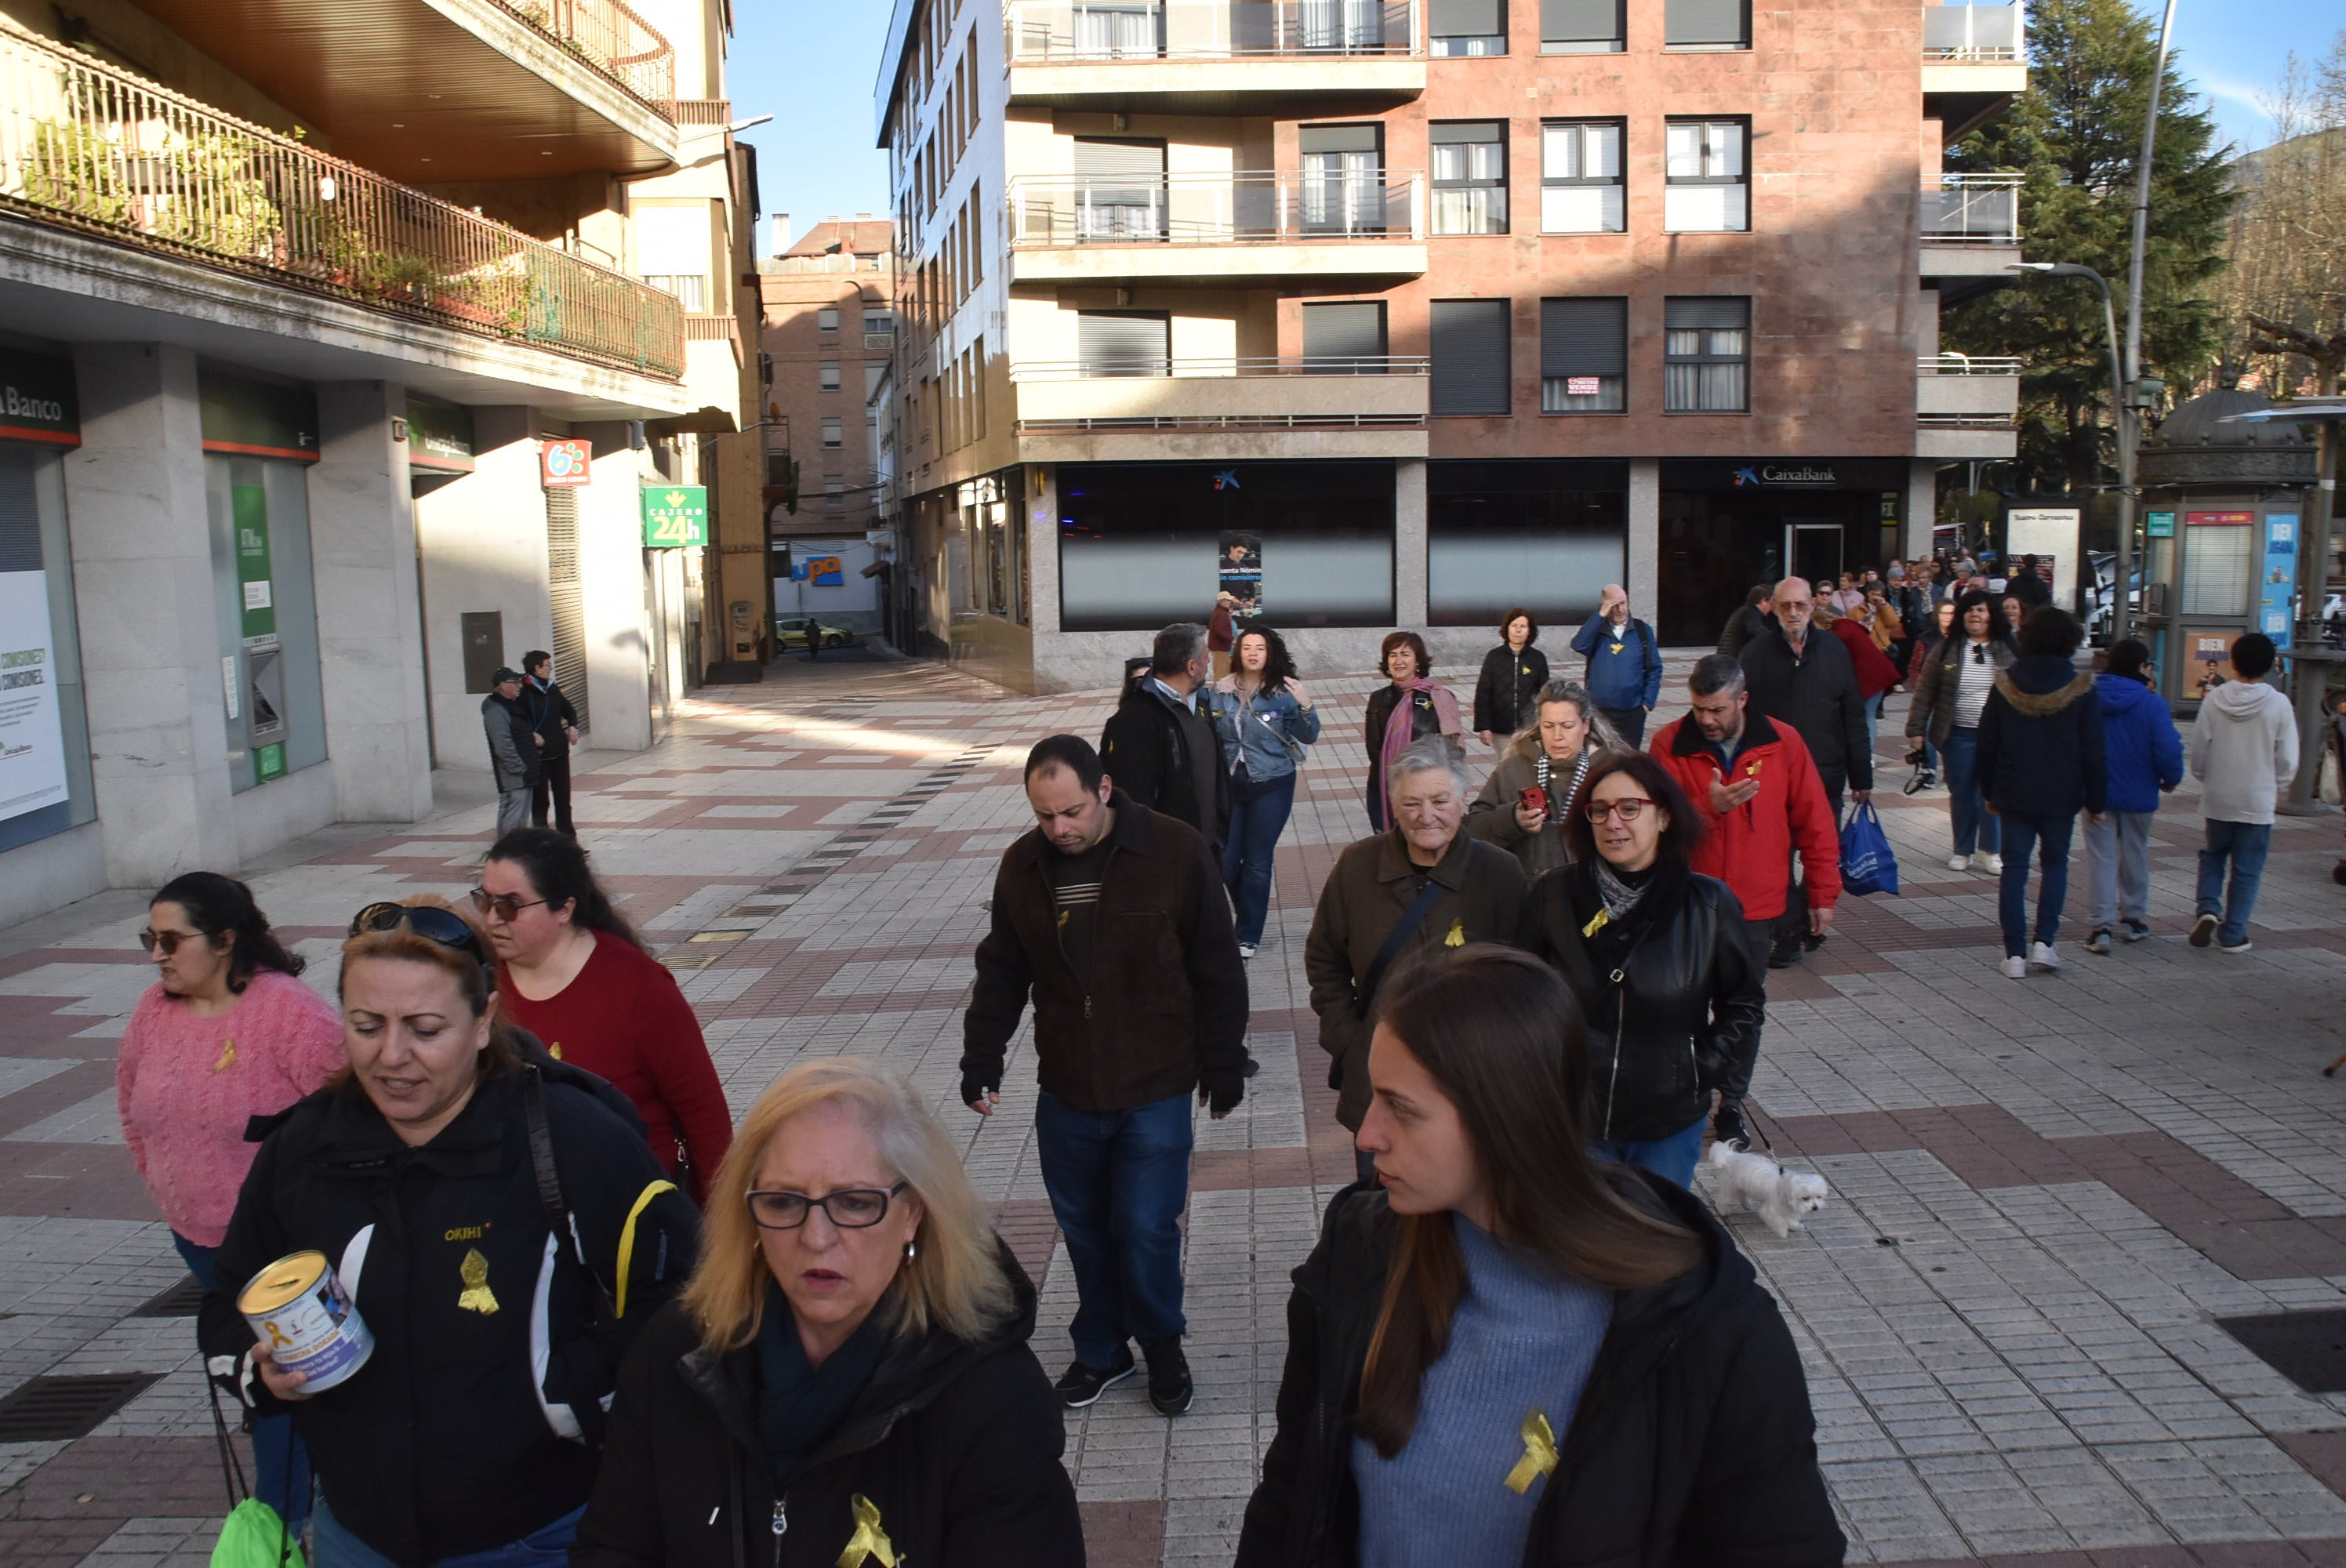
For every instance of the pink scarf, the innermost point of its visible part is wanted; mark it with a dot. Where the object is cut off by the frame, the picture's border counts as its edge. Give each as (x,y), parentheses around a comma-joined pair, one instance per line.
(1398,728)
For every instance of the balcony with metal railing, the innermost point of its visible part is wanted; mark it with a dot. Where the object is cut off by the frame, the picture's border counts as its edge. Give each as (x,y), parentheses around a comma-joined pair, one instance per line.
(1970,225)
(1217,228)
(1141,407)
(1973,62)
(1966,405)
(1210,56)
(438,90)
(92,149)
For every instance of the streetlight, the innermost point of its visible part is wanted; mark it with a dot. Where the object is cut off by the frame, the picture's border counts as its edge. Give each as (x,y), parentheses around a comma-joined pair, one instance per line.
(2122,610)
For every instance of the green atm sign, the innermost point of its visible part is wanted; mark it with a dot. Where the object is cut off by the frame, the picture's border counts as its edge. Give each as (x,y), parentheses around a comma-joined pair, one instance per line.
(675,515)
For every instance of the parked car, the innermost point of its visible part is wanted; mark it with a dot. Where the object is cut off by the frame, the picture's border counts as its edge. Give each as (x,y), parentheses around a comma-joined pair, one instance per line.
(793,631)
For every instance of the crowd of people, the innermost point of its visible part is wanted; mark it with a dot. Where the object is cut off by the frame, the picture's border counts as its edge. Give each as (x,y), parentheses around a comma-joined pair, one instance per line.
(610,1329)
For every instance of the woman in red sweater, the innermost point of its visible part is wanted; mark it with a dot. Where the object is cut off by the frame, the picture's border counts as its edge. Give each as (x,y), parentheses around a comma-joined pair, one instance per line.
(1875,674)
(571,970)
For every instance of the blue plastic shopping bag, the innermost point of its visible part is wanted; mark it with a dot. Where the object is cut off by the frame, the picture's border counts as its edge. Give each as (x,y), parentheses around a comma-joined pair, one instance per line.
(1867,864)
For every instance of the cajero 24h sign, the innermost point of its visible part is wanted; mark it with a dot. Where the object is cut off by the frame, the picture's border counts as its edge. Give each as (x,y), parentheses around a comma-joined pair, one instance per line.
(675,515)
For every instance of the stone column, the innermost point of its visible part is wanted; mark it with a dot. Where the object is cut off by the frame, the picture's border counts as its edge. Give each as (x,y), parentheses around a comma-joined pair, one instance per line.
(150,638)
(370,630)
(1408,545)
(1921,504)
(611,581)
(1644,565)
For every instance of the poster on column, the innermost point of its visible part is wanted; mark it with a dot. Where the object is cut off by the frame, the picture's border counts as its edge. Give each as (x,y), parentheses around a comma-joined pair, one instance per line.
(2277,586)
(1240,572)
(31,737)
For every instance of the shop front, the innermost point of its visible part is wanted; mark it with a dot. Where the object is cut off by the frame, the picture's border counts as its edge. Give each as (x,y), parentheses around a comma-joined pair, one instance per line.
(1543,535)
(44,773)
(1729,523)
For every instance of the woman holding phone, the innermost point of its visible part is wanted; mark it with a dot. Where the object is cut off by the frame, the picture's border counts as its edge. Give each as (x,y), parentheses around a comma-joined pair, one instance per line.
(1524,801)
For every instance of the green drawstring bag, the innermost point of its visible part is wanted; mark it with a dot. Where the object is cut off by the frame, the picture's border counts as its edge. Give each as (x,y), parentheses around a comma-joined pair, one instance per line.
(252,1536)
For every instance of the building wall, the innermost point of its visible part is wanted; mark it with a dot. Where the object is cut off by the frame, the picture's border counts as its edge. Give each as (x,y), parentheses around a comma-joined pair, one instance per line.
(792,296)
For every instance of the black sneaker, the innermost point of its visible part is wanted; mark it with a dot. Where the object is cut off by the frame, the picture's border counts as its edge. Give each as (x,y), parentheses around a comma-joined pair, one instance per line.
(1784,952)
(1079,1385)
(1169,1387)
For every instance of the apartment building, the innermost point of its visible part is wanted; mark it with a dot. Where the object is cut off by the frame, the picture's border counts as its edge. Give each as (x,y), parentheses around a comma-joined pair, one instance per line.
(344,363)
(1403,313)
(827,330)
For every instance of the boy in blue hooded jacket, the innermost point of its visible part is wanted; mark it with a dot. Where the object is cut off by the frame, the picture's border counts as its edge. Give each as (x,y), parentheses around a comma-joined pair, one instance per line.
(2146,760)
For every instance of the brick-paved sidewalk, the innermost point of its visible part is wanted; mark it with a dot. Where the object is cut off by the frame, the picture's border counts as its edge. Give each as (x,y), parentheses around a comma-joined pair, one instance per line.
(2045,1192)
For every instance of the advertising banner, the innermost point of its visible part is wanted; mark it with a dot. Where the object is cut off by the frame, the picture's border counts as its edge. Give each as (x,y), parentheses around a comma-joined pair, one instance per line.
(2277,590)
(31,737)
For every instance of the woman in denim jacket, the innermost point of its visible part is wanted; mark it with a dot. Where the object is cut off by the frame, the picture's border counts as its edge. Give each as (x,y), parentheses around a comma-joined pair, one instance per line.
(1266,719)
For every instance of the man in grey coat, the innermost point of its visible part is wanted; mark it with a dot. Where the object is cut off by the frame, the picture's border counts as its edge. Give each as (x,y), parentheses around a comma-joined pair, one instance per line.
(513,749)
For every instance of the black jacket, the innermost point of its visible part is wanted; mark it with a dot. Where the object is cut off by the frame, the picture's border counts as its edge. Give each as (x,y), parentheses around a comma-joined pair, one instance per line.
(2029,587)
(476,1419)
(1815,692)
(956,1443)
(1146,748)
(1745,624)
(1506,694)
(1168,1008)
(2042,749)
(550,715)
(1692,1446)
(1682,1018)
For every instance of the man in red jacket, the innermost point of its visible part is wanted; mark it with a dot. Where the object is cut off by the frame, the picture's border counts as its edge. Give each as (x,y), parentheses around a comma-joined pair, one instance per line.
(1761,797)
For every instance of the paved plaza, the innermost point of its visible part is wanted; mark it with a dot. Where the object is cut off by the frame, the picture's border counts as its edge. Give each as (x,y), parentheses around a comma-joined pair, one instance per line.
(2044,1193)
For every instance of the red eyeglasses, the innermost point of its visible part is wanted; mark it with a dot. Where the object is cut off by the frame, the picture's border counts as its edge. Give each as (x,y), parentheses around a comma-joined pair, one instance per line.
(1628,806)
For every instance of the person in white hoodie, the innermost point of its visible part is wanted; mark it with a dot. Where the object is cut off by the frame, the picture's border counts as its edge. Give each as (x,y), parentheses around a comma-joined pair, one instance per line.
(2243,752)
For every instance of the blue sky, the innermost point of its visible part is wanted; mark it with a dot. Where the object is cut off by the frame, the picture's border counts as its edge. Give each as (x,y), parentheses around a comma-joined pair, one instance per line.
(810,65)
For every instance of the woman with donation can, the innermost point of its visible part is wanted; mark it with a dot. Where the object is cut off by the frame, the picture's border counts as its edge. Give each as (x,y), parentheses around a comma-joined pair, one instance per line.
(226,1032)
(571,970)
(489,1219)
(847,1379)
(1502,1352)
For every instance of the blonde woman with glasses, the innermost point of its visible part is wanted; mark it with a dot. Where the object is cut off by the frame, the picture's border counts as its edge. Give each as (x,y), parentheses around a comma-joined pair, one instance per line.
(847,1378)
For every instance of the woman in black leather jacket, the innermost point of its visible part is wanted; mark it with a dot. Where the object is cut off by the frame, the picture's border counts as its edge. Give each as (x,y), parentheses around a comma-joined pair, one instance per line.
(1657,955)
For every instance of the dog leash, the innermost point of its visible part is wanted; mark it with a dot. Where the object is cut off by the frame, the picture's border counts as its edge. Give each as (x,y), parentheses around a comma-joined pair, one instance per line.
(1751,1118)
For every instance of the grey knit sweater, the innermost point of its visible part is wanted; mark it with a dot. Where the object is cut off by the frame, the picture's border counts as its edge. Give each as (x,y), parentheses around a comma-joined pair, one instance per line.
(1523,1337)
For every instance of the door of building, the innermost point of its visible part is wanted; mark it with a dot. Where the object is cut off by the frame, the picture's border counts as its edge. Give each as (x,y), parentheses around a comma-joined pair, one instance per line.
(1813,549)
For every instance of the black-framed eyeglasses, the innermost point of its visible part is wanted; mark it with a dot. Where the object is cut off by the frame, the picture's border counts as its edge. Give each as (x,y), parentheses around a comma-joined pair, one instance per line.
(505,906)
(854,1208)
(169,940)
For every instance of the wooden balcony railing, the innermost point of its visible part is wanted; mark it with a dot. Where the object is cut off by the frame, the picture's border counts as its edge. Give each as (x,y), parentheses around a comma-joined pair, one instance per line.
(612,38)
(89,147)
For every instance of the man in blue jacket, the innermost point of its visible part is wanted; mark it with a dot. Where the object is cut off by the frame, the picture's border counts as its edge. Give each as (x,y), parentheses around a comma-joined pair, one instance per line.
(1625,663)
(2145,758)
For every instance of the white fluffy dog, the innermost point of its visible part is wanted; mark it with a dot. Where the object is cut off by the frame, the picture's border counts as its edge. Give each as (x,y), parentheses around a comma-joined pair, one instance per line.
(1757,1185)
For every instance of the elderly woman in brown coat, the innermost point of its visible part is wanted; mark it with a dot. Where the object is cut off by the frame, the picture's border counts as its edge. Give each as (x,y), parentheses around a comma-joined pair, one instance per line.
(1423,884)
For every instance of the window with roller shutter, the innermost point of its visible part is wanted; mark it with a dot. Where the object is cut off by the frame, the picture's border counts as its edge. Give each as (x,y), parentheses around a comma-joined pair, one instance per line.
(1470,176)
(1470,338)
(1455,28)
(1344,338)
(1584,354)
(1581,27)
(1706,354)
(1707,25)
(1120,189)
(1124,342)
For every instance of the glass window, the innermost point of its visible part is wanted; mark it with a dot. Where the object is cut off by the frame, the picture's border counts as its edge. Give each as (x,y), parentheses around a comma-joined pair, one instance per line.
(1470,177)
(690,288)
(52,788)
(1344,179)
(1581,27)
(1580,177)
(1709,187)
(1467,26)
(1706,354)
(1540,533)
(267,611)
(1584,354)
(2219,567)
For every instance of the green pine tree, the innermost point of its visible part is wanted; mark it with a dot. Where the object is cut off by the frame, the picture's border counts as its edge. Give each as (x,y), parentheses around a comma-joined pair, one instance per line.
(2076,135)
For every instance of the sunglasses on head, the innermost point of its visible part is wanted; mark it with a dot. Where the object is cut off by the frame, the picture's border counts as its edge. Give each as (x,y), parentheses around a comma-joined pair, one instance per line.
(169,940)
(445,928)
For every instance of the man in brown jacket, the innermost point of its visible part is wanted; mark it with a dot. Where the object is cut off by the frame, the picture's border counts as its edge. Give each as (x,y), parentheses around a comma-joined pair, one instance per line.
(1420,887)
(1112,917)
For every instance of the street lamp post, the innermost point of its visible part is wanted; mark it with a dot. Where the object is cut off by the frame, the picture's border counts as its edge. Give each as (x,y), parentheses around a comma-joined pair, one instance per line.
(2122,611)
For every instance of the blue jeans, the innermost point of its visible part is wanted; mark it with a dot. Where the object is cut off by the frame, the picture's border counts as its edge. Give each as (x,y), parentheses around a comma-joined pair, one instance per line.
(1975,828)
(545,1547)
(281,1463)
(1873,721)
(1674,1157)
(1259,813)
(2049,836)
(2245,845)
(1118,1181)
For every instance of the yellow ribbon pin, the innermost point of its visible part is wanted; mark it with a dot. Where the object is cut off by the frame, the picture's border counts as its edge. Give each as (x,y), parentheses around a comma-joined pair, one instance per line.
(1539,1455)
(477,1297)
(1597,923)
(226,1055)
(1457,937)
(870,1541)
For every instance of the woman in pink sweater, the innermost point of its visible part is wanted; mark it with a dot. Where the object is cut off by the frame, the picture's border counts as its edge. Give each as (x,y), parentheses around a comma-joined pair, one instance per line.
(226,1032)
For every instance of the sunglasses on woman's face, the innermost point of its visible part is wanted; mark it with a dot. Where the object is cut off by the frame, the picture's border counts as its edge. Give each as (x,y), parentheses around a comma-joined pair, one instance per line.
(505,906)
(168,940)
(1628,806)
